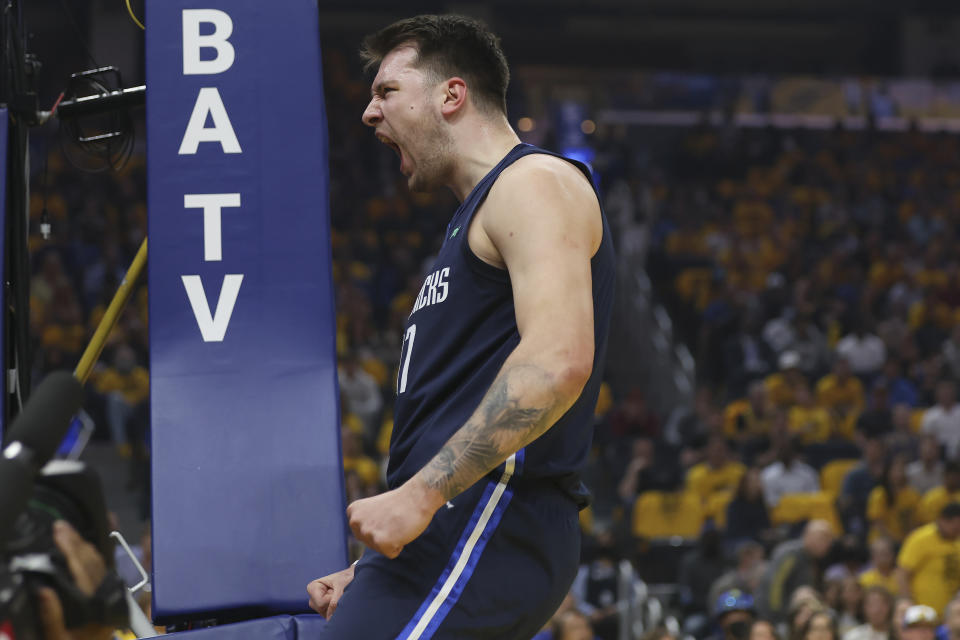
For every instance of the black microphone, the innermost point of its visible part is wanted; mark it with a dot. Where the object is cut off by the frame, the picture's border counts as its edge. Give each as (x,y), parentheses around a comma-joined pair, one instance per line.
(31,441)
(45,418)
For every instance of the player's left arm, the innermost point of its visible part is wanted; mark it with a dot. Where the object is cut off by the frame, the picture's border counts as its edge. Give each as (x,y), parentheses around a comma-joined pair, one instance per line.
(542,221)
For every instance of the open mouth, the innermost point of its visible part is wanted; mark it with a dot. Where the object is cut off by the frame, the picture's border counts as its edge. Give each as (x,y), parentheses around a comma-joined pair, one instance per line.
(390,143)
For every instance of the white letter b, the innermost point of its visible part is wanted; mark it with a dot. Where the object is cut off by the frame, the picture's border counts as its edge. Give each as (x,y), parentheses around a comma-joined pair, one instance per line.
(193,41)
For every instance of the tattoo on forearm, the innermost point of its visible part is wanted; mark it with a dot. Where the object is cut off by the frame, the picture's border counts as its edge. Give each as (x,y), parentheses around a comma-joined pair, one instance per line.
(519,407)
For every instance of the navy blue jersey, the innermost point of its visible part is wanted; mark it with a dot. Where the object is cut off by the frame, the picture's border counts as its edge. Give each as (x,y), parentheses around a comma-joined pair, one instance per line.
(460,332)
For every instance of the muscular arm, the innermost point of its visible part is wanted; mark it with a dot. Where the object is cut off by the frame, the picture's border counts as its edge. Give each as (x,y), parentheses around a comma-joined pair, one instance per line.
(542,222)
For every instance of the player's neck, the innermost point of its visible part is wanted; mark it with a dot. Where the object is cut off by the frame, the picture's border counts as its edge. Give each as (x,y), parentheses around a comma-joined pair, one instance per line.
(480,146)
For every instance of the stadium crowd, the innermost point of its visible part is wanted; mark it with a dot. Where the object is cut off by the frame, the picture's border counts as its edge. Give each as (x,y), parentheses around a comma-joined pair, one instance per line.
(810,493)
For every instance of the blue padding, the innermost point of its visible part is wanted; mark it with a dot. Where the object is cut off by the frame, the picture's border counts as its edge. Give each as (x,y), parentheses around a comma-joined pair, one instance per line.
(308,626)
(277,628)
(248,502)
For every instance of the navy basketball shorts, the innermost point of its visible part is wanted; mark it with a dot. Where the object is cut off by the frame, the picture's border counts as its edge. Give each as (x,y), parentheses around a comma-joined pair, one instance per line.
(495,564)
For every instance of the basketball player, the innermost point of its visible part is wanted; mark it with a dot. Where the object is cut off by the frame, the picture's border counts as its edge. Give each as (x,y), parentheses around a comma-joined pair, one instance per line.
(500,367)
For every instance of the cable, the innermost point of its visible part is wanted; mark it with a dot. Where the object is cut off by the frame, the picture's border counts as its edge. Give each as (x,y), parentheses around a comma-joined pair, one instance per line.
(102,142)
(133,17)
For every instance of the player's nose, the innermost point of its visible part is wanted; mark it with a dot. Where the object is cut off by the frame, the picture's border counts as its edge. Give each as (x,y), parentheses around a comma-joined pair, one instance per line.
(371,115)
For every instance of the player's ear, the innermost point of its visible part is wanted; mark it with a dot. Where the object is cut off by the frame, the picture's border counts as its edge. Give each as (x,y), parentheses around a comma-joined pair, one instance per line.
(454,96)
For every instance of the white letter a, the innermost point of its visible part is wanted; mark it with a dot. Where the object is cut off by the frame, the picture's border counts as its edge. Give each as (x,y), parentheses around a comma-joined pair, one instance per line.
(213,328)
(209,102)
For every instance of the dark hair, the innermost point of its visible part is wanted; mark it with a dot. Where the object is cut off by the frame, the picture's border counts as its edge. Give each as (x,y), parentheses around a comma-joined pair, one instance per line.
(805,629)
(448,45)
(773,627)
(950,511)
(886,482)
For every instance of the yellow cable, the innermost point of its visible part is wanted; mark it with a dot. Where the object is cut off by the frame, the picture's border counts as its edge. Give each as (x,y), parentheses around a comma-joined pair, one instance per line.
(130,11)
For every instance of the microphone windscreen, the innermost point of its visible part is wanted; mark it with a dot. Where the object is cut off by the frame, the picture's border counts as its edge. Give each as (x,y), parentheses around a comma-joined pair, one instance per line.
(45,418)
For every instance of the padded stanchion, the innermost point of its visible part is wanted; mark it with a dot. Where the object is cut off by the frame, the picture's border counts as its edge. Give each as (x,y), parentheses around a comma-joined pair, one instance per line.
(248,502)
(276,628)
(307,626)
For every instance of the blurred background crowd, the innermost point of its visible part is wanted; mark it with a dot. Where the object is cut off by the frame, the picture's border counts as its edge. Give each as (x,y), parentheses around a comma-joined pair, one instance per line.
(799,476)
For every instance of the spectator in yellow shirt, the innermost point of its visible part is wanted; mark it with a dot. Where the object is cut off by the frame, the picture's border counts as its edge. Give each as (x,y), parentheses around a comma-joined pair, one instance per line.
(717,473)
(811,423)
(782,386)
(929,563)
(125,387)
(934,500)
(750,418)
(356,461)
(882,572)
(841,393)
(892,504)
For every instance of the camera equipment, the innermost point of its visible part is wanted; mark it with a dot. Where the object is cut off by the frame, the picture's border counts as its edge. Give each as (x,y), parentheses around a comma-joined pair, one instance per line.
(31,500)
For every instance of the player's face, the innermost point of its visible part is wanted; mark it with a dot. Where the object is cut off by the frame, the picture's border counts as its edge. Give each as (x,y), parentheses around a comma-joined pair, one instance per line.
(406,116)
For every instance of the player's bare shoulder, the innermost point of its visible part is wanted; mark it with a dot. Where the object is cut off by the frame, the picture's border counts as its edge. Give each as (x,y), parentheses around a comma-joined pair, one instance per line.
(545,190)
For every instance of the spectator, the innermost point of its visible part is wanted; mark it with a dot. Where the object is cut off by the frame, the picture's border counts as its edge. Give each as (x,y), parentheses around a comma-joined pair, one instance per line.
(634,419)
(748,421)
(865,351)
(934,500)
(877,614)
(125,387)
(794,563)
(745,576)
(361,394)
(851,603)
(596,588)
(928,562)
(951,352)
(919,623)
(877,420)
(892,504)
(647,470)
(927,472)
(699,569)
(882,571)
(355,461)
(808,421)
(782,386)
(763,630)
(788,475)
(859,483)
(747,517)
(842,395)
(900,607)
(804,602)
(943,420)
(718,472)
(746,356)
(951,619)
(902,439)
(734,615)
(810,345)
(900,389)
(820,626)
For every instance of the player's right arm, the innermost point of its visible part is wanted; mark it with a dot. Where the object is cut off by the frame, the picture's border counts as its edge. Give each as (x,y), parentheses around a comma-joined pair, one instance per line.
(325,592)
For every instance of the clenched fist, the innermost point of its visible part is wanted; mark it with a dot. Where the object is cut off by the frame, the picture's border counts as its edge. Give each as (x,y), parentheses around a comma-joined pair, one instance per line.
(325,592)
(391,520)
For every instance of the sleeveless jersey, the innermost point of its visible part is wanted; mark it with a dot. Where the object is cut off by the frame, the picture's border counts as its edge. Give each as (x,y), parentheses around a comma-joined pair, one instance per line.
(458,335)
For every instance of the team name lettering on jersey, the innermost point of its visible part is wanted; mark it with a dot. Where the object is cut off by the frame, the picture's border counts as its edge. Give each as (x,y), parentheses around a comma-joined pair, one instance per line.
(433,291)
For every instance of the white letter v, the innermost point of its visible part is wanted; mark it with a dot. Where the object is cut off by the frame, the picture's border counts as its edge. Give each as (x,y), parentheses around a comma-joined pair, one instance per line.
(213,328)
